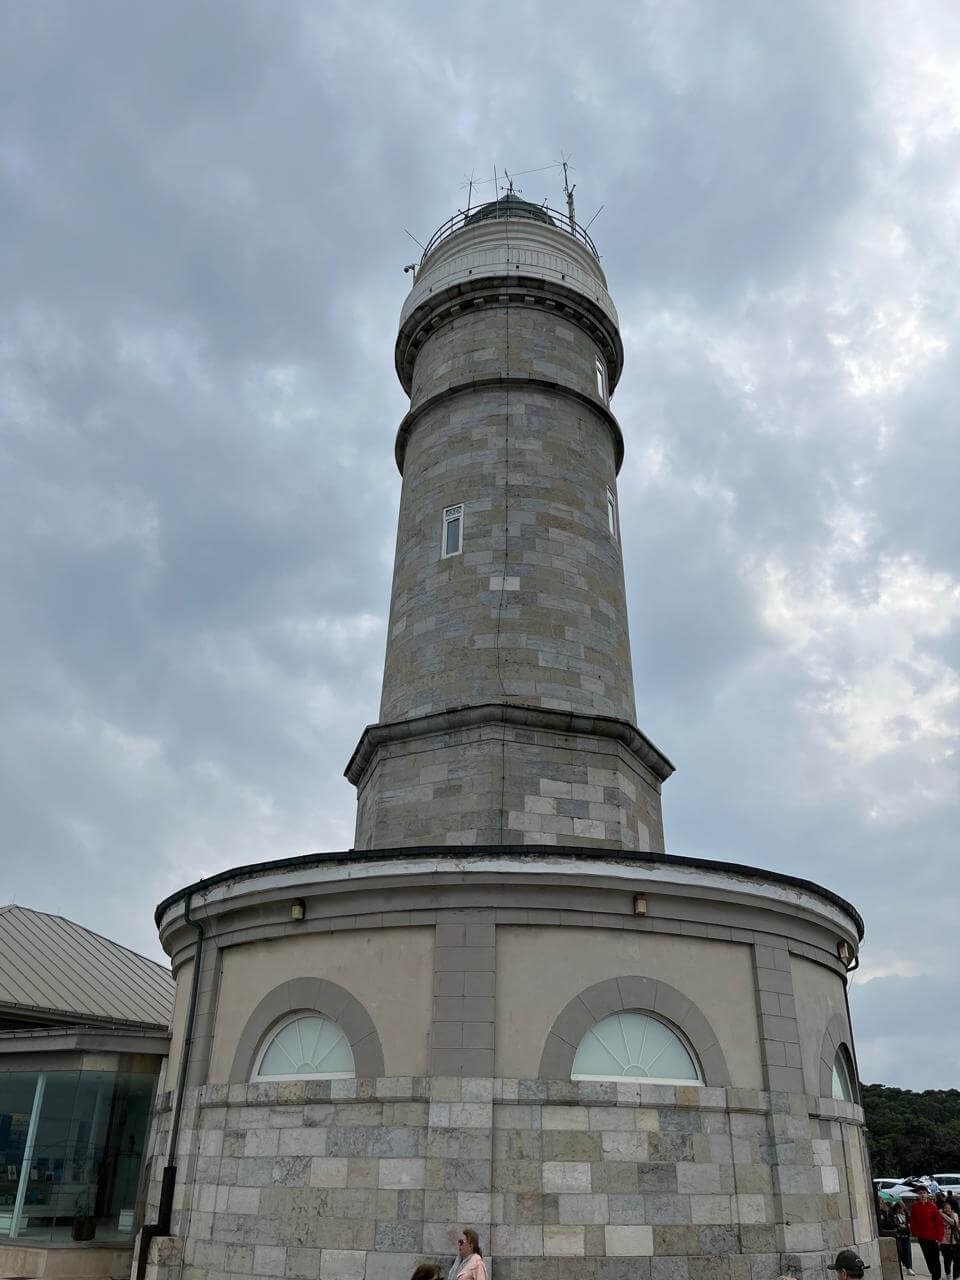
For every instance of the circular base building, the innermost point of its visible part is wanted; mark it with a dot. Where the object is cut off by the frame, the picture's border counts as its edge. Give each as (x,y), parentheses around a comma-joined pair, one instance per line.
(507,1008)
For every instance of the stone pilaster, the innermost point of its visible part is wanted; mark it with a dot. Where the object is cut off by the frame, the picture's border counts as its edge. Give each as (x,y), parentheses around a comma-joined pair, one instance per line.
(464,999)
(777,1013)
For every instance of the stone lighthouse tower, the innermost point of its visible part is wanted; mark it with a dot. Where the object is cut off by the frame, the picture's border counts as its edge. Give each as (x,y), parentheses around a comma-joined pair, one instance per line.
(508,714)
(507,1006)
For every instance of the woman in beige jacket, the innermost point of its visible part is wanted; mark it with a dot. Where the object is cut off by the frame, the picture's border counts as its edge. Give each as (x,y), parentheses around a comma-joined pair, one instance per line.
(468,1264)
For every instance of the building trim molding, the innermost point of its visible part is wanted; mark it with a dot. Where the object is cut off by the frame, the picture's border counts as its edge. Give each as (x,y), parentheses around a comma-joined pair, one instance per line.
(498,382)
(514,715)
(310,995)
(638,995)
(528,288)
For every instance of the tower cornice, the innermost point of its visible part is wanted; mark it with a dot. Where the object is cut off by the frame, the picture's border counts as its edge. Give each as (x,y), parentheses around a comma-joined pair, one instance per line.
(515,715)
(523,381)
(482,289)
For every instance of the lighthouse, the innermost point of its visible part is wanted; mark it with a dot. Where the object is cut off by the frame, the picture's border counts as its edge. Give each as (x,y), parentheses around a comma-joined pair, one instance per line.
(507,1007)
(508,713)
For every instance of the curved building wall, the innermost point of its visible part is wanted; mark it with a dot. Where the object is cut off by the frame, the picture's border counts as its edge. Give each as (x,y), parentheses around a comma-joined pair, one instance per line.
(474,981)
(820,1003)
(540,970)
(506,341)
(390,974)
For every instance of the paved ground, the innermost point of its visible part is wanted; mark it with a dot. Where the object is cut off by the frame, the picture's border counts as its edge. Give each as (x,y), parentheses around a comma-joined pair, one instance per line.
(919,1266)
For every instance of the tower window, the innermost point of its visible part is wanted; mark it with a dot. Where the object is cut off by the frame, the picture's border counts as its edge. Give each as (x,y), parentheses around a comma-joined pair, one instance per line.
(452,531)
(612,514)
(601,380)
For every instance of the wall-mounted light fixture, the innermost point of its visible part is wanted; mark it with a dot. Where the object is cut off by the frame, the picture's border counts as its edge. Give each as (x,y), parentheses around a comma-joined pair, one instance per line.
(639,904)
(298,909)
(845,952)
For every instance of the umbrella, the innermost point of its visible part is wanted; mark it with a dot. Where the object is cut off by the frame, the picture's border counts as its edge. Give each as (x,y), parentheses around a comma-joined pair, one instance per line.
(888,1196)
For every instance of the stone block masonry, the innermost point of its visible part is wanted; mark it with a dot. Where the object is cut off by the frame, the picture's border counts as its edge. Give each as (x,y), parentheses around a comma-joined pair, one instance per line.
(510,427)
(532,472)
(360,1179)
(504,783)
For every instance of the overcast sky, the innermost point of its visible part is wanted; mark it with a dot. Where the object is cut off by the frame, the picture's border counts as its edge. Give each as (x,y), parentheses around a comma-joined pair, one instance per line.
(202,213)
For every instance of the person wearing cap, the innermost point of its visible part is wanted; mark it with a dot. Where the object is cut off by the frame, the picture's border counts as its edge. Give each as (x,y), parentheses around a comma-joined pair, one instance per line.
(926,1225)
(848,1265)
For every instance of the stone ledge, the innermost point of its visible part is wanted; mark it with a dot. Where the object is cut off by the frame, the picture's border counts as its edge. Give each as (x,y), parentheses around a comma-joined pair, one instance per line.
(494,1089)
(516,715)
(527,382)
(518,289)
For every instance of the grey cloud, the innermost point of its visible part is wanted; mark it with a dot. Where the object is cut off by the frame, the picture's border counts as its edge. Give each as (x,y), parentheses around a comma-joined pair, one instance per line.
(903,1036)
(201,239)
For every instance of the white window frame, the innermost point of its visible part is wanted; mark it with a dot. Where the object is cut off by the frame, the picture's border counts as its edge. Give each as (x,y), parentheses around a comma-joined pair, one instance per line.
(602,380)
(275,1031)
(613,515)
(450,514)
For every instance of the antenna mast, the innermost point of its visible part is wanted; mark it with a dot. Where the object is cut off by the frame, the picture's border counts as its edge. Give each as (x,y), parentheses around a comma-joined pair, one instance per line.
(568,192)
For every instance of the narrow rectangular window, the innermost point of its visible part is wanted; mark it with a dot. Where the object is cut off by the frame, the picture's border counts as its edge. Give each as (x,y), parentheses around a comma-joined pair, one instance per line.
(452,531)
(612,514)
(601,380)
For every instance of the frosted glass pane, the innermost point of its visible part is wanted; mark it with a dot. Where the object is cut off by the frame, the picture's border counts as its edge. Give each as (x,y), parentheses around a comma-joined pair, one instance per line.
(633,1046)
(842,1087)
(311,1046)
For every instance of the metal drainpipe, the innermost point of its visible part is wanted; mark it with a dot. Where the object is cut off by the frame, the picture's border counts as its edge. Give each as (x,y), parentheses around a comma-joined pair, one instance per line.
(853,1054)
(162,1225)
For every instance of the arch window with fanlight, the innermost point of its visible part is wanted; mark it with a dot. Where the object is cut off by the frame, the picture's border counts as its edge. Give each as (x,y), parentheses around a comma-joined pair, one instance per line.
(307,1046)
(635,1046)
(842,1088)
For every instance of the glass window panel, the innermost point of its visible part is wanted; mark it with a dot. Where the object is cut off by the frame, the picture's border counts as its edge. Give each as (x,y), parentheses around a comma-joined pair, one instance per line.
(452,542)
(307,1046)
(601,379)
(81,1183)
(842,1084)
(633,1046)
(123,1101)
(17,1092)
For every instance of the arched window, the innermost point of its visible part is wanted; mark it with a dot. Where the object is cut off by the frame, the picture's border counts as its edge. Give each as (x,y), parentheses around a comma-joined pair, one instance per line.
(842,1079)
(634,1046)
(306,1047)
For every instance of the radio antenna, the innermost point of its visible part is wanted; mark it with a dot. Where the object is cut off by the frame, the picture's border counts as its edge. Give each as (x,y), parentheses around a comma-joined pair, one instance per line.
(568,192)
(469,184)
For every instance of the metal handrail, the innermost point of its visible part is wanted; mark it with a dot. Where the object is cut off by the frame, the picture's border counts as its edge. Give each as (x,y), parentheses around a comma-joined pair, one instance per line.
(501,210)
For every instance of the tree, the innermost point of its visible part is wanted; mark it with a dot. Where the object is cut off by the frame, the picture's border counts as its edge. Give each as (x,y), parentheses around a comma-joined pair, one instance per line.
(911,1133)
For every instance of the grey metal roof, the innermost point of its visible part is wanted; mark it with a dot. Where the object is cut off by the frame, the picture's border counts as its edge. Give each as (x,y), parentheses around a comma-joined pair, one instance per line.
(49,963)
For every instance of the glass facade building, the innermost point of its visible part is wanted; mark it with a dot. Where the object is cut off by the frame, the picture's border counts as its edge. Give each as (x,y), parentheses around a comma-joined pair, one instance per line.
(71,1147)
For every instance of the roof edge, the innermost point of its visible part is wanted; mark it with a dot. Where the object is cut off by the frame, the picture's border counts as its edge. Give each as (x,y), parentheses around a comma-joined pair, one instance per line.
(479,852)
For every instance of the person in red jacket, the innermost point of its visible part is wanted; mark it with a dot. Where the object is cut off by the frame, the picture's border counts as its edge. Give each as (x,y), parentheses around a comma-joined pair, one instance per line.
(926,1225)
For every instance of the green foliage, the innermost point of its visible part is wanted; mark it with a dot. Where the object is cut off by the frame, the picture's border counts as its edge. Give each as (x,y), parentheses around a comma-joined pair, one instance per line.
(912,1133)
